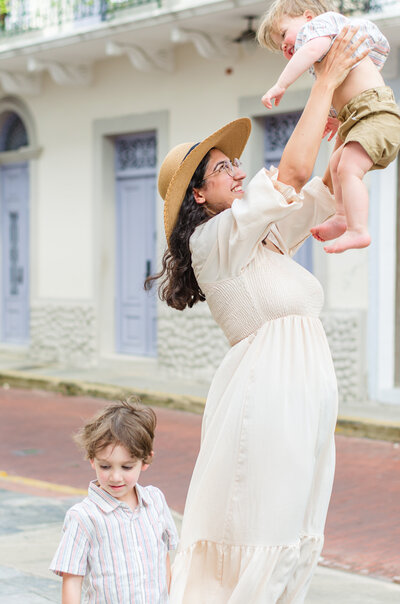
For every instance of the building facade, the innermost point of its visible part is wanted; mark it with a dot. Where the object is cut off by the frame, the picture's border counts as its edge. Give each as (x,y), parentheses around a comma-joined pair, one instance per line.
(94,94)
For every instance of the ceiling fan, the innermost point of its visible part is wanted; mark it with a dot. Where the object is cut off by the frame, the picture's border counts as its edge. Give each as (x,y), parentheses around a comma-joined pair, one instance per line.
(249,34)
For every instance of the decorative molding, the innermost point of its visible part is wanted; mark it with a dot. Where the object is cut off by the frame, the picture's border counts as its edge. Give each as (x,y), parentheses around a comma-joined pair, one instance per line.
(140,58)
(64,75)
(21,155)
(20,83)
(136,152)
(208,47)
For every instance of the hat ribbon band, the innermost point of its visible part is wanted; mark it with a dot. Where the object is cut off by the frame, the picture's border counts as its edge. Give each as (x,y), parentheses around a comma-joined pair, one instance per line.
(190,150)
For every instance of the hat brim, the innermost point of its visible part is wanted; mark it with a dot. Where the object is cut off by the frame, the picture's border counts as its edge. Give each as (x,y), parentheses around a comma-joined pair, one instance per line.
(230,139)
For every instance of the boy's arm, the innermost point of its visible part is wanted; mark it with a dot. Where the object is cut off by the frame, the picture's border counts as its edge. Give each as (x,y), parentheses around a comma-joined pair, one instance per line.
(71,589)
(298,64)
(168,564)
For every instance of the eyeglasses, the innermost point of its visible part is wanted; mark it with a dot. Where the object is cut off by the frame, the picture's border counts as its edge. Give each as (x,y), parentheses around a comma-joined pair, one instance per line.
(225,166)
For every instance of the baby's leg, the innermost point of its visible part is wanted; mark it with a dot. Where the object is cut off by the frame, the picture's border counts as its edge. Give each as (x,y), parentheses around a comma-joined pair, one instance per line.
(336,225)
(353,165)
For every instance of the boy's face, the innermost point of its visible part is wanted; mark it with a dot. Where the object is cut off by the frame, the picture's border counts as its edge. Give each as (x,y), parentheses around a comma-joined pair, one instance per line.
(117,472)
(286,34)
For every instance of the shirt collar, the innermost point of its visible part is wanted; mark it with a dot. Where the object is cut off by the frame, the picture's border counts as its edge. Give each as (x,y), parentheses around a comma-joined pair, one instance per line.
(107,503)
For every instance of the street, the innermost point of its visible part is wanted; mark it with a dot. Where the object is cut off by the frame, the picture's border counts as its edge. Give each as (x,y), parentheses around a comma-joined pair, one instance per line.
(39,459)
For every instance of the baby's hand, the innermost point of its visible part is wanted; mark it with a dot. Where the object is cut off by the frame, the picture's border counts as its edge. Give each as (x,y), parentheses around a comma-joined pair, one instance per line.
(332,124)
(276,92)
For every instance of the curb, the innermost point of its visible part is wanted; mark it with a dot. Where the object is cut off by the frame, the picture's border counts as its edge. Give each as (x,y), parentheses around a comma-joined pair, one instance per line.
(346,425)
(32,381)
(368,428)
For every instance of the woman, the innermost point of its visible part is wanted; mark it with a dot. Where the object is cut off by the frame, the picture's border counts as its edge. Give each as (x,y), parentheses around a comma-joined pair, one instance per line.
(255,513)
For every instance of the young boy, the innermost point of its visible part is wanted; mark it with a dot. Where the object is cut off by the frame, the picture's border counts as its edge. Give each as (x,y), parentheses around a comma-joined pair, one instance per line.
(367,115)
(119,537)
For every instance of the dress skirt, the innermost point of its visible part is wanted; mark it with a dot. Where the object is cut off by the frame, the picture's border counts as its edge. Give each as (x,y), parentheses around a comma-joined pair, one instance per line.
(255,513)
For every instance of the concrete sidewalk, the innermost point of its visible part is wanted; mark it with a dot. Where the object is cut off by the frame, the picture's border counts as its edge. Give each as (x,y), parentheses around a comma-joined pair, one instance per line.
(114,379)
(30,528)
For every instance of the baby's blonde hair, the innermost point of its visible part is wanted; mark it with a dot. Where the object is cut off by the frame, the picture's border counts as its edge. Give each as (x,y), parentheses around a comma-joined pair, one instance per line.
(287,8)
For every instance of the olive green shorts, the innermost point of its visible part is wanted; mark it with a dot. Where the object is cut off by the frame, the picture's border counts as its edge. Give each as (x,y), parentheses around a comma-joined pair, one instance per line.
(372,119)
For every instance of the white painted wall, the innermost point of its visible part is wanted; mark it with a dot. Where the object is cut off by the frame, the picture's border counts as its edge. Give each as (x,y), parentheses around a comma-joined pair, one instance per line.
(75,232)
(199,97)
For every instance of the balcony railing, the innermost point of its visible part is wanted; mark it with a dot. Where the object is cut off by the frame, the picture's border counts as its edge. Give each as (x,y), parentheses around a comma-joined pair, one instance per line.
(348,7)
(23,16)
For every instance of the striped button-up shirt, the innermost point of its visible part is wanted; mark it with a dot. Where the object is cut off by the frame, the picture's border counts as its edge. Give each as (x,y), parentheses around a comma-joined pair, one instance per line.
(122,553)
(330,24)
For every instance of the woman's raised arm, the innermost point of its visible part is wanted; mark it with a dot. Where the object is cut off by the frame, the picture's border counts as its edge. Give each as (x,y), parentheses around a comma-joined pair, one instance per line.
(301,151)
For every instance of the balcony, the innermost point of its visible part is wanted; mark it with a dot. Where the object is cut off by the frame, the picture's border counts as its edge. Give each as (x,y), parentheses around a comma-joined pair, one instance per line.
(67,37)
(18,17)
(27,16)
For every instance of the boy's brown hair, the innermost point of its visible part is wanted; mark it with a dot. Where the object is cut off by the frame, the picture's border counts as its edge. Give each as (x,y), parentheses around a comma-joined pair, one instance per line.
(127,423)
(287,8)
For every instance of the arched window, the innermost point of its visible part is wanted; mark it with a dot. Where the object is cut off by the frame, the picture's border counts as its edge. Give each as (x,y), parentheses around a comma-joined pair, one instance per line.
(13,134)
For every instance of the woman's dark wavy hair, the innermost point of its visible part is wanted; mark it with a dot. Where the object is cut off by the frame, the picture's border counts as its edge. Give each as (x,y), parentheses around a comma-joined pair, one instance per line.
(178,287)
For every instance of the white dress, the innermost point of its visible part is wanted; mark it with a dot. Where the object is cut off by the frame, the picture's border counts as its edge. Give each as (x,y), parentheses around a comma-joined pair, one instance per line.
(255,512)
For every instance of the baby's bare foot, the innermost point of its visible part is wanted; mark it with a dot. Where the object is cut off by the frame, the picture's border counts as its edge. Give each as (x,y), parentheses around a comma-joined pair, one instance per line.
(350,240)
(330,229)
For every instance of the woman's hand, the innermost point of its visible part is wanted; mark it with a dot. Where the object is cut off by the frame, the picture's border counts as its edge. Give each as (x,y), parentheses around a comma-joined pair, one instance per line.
(340,58)
(300,153)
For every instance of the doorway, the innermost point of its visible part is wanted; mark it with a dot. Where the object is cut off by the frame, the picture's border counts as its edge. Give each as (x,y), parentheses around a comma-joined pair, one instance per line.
(136,310)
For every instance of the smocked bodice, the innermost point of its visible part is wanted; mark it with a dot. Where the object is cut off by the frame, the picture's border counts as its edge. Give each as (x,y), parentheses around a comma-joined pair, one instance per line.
(245,283)
(270,287)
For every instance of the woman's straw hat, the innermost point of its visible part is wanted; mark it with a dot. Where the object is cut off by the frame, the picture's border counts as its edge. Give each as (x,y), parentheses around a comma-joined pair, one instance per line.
(181,162)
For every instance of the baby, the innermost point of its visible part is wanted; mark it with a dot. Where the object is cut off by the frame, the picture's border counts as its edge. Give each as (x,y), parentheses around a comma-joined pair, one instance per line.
(368,119)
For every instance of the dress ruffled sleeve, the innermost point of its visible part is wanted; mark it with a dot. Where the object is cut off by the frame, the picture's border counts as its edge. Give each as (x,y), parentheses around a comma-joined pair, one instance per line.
(222,246)
(317,204)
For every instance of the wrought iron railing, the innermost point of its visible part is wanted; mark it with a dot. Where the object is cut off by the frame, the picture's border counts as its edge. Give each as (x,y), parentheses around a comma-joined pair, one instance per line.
(348,7)
(21,16)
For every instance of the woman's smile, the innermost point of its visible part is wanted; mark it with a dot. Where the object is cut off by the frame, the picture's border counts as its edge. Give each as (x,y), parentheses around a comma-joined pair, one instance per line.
(220,189)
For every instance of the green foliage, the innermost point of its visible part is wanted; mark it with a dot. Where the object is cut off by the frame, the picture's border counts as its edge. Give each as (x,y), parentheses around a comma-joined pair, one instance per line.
(4,6)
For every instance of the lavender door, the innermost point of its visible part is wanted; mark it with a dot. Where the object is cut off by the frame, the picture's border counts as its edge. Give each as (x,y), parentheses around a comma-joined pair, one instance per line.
(15,253)
(278,129)
(136,197)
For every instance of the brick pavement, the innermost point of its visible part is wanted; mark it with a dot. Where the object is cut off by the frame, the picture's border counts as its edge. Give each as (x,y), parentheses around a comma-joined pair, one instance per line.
(363,528)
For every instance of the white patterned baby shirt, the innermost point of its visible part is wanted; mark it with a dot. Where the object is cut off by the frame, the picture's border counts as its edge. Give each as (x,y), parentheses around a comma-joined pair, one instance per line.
(331,24)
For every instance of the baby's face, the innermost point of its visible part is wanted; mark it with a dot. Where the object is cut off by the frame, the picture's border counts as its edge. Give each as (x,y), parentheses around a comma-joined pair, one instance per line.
(286,34)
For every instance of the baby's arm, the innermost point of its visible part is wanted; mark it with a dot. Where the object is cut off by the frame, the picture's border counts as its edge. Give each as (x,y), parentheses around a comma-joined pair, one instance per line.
(297,65)
(71,589)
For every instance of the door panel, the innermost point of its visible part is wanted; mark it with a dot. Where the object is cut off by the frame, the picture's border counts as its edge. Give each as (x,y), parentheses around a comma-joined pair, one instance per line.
(136,309)
(15,253)
(278,129)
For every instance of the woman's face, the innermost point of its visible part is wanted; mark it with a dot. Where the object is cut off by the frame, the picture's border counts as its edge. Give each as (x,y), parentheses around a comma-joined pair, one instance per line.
(220,188)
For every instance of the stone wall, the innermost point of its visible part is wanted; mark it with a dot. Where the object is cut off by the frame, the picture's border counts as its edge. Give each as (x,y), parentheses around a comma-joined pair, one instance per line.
(192,346)
(64,334)
(346,335)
